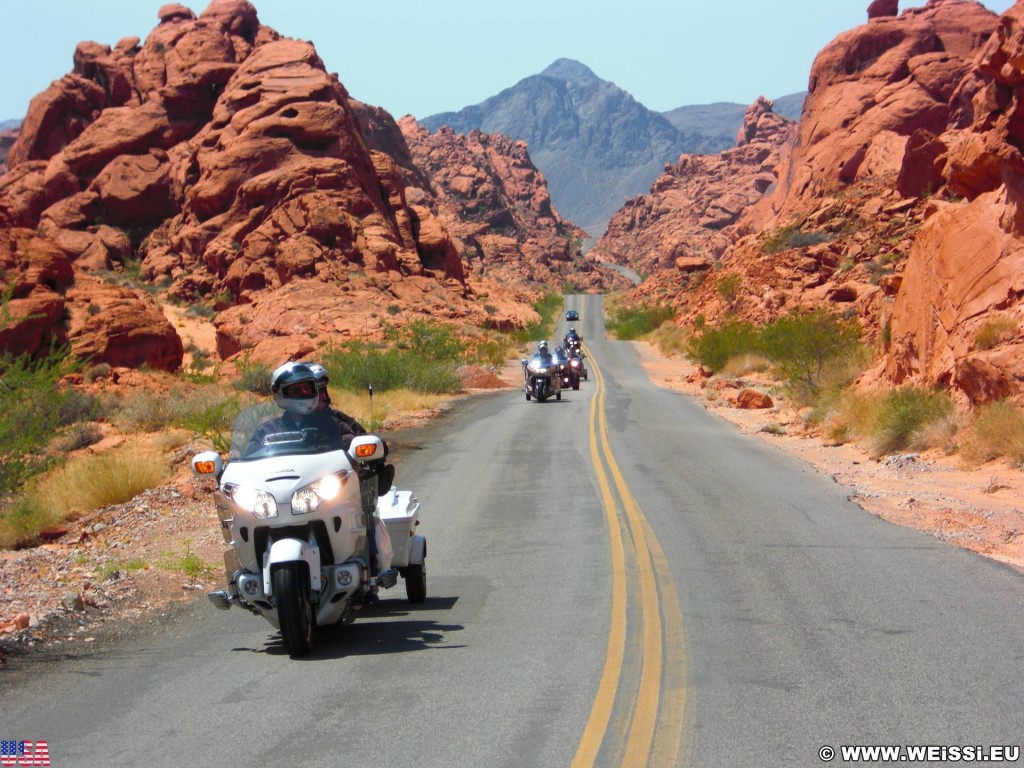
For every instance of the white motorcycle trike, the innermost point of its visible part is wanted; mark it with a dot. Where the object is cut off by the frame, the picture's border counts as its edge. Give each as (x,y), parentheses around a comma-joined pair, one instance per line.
(295,508)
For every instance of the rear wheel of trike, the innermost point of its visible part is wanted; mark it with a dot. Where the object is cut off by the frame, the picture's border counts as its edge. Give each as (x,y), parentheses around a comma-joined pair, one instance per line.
(416,582)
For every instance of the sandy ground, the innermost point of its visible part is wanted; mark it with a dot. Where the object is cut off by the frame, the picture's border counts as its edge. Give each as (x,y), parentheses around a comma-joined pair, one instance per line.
(978,508)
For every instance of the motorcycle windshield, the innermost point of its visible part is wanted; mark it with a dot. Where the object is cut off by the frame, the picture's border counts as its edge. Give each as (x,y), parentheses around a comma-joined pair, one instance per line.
(265,430)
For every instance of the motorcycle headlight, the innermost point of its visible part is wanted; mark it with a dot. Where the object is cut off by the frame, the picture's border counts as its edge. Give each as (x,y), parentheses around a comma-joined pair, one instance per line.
(307,500)
(259,503)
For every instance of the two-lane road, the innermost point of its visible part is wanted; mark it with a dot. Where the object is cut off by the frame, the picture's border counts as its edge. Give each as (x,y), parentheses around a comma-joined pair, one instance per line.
(613,579)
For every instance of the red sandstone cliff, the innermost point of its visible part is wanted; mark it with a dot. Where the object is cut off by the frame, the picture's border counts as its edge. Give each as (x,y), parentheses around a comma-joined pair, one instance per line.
(898,202)
(237,170)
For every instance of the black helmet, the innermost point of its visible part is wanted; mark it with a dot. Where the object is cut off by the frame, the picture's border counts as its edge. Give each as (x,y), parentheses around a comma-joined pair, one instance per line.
(294,387)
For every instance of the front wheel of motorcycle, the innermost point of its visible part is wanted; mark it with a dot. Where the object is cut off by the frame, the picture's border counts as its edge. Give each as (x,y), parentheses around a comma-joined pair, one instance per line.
(416,583)
(294,612)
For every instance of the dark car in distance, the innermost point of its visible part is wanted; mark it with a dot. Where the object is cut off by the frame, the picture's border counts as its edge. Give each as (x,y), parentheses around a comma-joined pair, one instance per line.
(572,315)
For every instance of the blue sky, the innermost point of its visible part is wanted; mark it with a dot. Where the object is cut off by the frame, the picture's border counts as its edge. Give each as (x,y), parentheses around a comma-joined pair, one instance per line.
(422,58)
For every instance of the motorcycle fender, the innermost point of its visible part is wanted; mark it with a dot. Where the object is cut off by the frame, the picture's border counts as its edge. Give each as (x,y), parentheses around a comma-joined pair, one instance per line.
(417,550)
(291,551)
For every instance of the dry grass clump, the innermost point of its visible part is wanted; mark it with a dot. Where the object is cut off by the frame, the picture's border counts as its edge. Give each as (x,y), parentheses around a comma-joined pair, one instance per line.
(670,339)
(80,486)
(88,483)
(906,418)
(998,432)
(744,364)
(994,332)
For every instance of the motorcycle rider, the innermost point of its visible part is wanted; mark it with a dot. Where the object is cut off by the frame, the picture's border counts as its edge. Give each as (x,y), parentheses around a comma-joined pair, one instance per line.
(294,389)
(543,353)
(351,428)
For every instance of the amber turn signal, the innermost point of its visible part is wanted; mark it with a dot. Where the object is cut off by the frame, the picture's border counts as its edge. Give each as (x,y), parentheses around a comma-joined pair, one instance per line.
(365,451)
(205,467)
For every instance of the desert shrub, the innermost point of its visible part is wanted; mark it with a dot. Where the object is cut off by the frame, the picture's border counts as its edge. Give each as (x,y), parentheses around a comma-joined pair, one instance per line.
(491,350)
(428,339)
(139,411)
(548,307)
(800,345)
(632,322)
(994,332)
(98,371)
(360,364)
(790,236)
(715,346)
(78,436)
(208,413)
(253,377)
(31,405)
(670,339)
(186,562)
(22,517)
(903,414)
(744,364)
(728,287)
(998,431)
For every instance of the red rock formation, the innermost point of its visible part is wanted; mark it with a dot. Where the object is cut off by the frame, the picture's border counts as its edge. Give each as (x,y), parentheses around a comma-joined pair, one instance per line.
(7,138)
(687,222)
(495,202)
(889,77)
(234,166)
(966,264)
(900,203)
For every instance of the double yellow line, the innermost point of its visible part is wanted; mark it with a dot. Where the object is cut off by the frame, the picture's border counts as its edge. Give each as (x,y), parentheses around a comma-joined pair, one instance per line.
(650,712)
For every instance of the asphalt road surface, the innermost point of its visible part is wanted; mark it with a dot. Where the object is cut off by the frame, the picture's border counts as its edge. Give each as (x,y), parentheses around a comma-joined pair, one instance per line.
(615,578)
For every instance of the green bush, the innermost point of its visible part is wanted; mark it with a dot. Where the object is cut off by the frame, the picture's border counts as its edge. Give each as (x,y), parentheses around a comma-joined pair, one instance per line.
(903,413)
(790,236)
(209,414)
(801,344)
(361,364)
(633,322)
(32,412)
(715,346)
(253,377)
(549,306)
(728,287)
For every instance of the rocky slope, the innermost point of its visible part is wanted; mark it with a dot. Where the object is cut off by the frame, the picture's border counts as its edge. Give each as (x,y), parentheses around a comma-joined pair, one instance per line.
(687,221)
(223,158)
(896,202)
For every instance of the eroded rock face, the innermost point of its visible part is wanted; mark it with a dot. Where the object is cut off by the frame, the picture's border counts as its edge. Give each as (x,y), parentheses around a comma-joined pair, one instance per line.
(898,203)
(235,167)
(495,202)
(893,75)
(688,221)
(958,320)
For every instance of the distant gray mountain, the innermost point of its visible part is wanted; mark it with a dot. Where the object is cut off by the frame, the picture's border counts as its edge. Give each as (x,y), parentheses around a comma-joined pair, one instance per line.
(595,144)
(9,124)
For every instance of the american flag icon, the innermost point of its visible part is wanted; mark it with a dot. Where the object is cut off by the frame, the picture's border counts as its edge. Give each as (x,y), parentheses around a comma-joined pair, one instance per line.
(21,753)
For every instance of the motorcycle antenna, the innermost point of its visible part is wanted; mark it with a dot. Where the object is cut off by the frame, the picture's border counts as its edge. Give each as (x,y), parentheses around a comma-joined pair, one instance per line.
(373,424)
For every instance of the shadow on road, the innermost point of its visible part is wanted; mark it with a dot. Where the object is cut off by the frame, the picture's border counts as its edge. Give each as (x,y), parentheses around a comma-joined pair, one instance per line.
(379,629)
